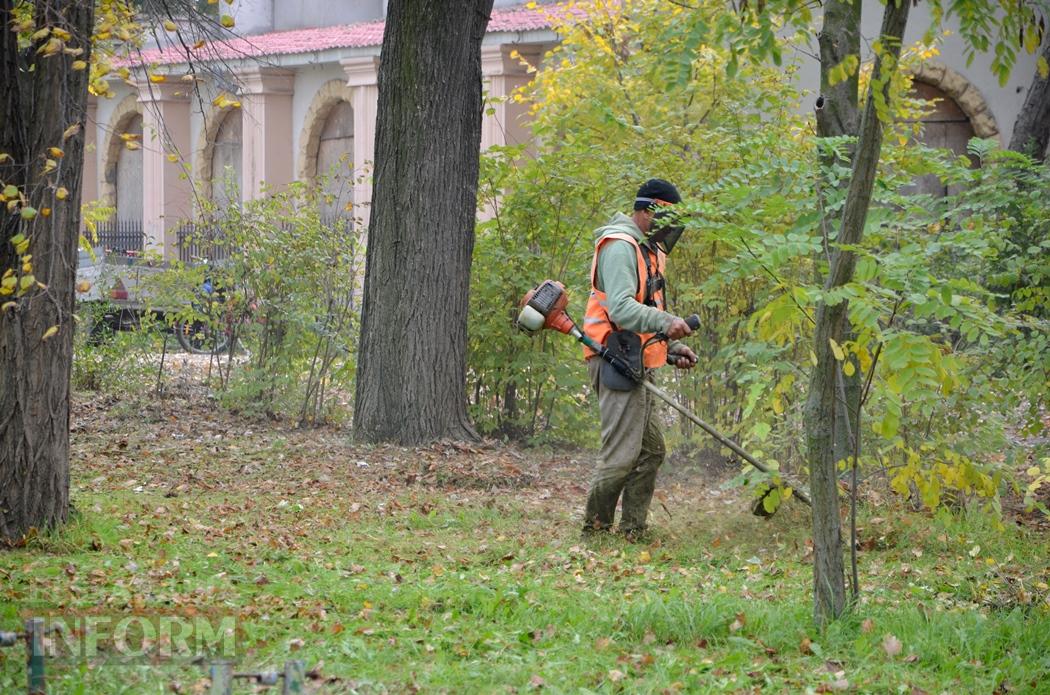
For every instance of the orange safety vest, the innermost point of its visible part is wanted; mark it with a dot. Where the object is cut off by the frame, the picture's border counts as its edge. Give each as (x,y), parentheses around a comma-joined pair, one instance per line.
(596,323)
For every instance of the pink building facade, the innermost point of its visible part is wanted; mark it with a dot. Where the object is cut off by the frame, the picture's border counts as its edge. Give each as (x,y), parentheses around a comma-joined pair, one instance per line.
(289,104)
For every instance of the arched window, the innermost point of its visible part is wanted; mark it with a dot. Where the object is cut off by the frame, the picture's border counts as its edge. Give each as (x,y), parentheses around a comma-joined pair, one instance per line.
(128,180)
(335,159)
(226,179)
(946,127)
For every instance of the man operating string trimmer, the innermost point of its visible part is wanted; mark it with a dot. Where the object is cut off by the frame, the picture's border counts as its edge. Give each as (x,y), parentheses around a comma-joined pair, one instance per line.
(626,309)
(627,334)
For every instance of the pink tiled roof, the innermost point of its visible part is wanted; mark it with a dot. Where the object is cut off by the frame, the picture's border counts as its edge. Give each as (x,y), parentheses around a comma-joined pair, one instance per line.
(323,38)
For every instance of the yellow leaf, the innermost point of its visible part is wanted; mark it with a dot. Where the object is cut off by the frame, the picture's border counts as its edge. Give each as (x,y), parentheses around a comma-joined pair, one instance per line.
(61,33)
(813,358)
(1043,67)
(836,350)
(227,21)
(83,286)
(50,48)
(56,152)
(49,165)
(62,193)
(173,157)
(158,79)
(28,213)
(26,282)
(4,157)
(41,34)
(79,65)
(46,212)
(848,369)
(170,25)
(199,44)
(8,305)
(131,145)
(644,556)
(49,332)
(778,406)
(10,191)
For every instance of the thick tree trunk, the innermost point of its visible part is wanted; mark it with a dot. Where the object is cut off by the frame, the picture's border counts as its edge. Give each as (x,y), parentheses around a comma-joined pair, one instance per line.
(829,591)
(1032,128)
(411,373)
(36,107)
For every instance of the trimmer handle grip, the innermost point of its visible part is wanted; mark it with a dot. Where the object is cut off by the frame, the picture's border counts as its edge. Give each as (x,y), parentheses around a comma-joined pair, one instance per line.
(693,321)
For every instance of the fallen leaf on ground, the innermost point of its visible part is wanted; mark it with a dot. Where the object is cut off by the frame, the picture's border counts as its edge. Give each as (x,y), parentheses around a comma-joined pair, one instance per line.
(891,645)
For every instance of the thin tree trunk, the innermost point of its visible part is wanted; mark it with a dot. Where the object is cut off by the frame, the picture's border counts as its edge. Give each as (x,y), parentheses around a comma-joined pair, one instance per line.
(839,38)
(829,591)
(40,97)
(1032,127)
(411,373)
(838,114)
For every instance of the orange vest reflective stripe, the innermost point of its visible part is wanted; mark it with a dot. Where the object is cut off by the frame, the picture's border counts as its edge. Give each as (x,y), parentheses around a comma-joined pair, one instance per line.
(596,323)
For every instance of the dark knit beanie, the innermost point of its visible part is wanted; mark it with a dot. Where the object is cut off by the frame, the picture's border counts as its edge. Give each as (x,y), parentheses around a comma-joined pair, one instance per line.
(653,190)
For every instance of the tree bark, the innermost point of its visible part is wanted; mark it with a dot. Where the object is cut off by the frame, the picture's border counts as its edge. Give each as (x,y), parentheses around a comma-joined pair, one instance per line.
(829,592)
(838,114)
(40,96)
(1032,128)
(411,373)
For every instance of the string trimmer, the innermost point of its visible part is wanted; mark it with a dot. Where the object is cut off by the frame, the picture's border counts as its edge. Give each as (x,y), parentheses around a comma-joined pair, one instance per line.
(544,307)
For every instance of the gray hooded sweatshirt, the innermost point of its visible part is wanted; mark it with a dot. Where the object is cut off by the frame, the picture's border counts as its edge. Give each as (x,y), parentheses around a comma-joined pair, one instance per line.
(617,276)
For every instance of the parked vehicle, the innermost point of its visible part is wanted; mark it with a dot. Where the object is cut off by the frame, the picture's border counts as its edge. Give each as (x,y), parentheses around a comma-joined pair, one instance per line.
(118,298)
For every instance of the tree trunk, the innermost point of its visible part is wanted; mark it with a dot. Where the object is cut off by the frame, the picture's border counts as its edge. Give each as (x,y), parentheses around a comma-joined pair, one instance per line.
(1032,127)
(829,591)
(411,373)
(838,114)
(40,96)
(839,38)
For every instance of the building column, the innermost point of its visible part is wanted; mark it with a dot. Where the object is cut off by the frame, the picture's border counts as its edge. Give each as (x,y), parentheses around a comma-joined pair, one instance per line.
(503,74)
(266,130)
(362,76)
(89,180)
(167,194)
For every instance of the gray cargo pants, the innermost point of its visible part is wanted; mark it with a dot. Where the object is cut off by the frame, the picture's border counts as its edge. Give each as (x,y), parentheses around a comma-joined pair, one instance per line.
(632,451)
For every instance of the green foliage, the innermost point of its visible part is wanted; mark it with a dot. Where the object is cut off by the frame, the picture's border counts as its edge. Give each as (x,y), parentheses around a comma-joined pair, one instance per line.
(109,360)
(609,111)
(948,301)
(1039,476)
(286,292)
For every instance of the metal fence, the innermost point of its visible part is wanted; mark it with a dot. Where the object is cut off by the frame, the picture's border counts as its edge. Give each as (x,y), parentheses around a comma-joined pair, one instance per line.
(197,242)
(122,236)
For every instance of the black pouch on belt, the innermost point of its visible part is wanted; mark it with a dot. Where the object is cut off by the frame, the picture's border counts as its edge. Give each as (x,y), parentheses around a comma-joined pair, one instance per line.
(627,347)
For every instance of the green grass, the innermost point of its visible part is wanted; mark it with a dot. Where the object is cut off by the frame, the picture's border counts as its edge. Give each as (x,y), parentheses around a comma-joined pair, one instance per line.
(393,586)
